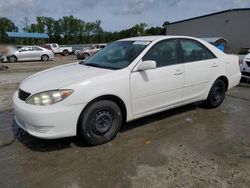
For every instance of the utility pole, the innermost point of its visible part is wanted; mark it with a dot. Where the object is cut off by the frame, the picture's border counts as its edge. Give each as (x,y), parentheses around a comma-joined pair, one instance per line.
(25,22)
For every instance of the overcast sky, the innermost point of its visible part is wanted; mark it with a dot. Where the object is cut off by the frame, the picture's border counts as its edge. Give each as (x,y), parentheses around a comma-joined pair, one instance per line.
(116,14)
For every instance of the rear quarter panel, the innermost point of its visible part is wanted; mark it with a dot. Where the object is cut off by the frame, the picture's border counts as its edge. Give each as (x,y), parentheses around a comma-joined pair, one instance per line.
(232,69)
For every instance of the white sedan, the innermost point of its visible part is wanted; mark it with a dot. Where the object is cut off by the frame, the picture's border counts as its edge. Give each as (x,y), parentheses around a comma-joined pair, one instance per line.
(29,53)
(245,66)
(129,79)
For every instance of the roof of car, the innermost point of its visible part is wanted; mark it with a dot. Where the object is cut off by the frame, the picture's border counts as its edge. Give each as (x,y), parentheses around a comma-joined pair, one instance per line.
(153,38)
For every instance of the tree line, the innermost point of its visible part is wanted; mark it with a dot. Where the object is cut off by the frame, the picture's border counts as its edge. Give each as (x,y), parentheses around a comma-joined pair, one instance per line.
(71,30)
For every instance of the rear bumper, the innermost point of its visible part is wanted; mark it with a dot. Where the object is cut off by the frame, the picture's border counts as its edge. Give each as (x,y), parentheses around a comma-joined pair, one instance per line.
(48,122)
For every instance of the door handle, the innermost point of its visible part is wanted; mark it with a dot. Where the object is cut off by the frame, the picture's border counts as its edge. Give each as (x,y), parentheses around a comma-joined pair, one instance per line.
(178,72)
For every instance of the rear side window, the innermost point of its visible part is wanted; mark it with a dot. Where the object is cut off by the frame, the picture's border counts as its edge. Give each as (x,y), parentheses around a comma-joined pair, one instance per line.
(163,53)
(194,51)
(36,48)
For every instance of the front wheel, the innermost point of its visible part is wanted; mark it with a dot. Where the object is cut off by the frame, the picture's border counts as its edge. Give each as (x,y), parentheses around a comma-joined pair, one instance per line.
(100,122)
(216,95)
(12,59)
(85,55)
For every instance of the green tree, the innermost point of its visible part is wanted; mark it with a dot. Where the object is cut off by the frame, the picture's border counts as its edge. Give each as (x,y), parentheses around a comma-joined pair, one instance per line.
(6,25)
(139,29)
(164,25)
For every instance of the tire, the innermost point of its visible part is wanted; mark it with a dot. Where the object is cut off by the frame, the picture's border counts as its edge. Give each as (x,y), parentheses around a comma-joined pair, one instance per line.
(100,122)
(65,52)
(44,57)
(85,55)
(12,59)
(216,95)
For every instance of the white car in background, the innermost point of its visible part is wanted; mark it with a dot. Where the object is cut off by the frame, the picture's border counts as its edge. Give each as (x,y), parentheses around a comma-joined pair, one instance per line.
(245,66)
(89,51)
(29,53)
(128,79)
(59,50)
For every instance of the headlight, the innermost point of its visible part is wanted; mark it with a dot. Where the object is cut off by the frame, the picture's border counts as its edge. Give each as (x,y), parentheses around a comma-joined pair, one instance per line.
(49,97)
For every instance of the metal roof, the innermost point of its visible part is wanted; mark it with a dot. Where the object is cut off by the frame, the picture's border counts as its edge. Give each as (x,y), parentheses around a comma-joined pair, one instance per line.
(27,35)
(221,12)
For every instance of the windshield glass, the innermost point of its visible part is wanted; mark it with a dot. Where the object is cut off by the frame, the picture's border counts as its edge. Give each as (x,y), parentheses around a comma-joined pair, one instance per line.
(117,55)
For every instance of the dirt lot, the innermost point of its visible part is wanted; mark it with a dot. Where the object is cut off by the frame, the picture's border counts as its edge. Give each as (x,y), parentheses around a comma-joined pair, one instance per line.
(185,147)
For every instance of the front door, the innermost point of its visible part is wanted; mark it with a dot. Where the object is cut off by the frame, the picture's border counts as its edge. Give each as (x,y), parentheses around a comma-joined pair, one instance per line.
(157,89)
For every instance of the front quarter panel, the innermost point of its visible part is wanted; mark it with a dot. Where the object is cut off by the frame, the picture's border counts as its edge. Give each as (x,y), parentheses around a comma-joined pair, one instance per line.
(115,83)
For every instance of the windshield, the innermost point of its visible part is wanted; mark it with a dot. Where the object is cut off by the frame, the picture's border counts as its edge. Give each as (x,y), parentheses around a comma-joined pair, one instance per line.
(117,55)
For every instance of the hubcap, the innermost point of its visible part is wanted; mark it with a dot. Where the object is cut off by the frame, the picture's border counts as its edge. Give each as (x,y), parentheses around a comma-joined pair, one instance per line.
(85,56)
(102,122)
(217,94)
(12,59)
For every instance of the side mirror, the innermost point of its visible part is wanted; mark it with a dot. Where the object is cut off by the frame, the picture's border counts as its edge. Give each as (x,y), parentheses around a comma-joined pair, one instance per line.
(145,65)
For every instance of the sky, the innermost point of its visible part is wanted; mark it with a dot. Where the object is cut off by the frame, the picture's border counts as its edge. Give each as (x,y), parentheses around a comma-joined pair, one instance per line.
(115,15)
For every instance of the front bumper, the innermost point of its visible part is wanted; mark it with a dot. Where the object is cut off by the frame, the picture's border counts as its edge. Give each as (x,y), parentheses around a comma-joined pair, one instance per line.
(48,122)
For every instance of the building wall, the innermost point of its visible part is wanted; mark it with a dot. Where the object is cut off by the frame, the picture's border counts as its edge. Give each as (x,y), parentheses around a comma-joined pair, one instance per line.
(233,26)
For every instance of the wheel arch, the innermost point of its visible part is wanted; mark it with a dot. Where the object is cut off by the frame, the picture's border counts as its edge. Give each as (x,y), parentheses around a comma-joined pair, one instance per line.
(113,98)
(225,80)
(12,56)
(44,55)
(85,53)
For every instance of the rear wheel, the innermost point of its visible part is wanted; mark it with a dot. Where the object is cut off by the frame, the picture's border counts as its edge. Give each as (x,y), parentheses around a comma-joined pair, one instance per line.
(12,59)
(65,52)
(216,94)
(100,122)
(45,58)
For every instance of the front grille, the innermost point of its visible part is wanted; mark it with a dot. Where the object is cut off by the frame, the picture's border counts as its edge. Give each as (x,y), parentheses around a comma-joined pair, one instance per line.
(23,95)
(248,63)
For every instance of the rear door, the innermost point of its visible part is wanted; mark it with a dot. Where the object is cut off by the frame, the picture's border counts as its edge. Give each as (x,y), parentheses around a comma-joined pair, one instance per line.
(37,53)
(200,65)
(156,89)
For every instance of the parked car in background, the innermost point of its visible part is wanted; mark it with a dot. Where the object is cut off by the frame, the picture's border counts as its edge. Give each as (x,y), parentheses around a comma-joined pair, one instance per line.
(128,79)
(4,50)
(218,42)
(59,50)
(1,58)
(89,51)
(29,53)
(245,66)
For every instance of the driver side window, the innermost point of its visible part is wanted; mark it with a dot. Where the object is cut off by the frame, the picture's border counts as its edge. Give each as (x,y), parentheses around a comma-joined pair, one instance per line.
(163,53)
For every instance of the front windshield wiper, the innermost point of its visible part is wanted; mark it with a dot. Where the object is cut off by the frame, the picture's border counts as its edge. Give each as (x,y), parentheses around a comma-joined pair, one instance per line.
(97,65)
(94,65)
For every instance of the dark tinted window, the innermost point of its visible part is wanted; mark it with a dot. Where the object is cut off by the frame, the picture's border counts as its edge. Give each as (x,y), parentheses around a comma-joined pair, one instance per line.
(194,51)
(164,53)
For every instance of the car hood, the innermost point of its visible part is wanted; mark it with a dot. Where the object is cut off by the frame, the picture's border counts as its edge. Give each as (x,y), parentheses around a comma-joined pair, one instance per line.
(60,77)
